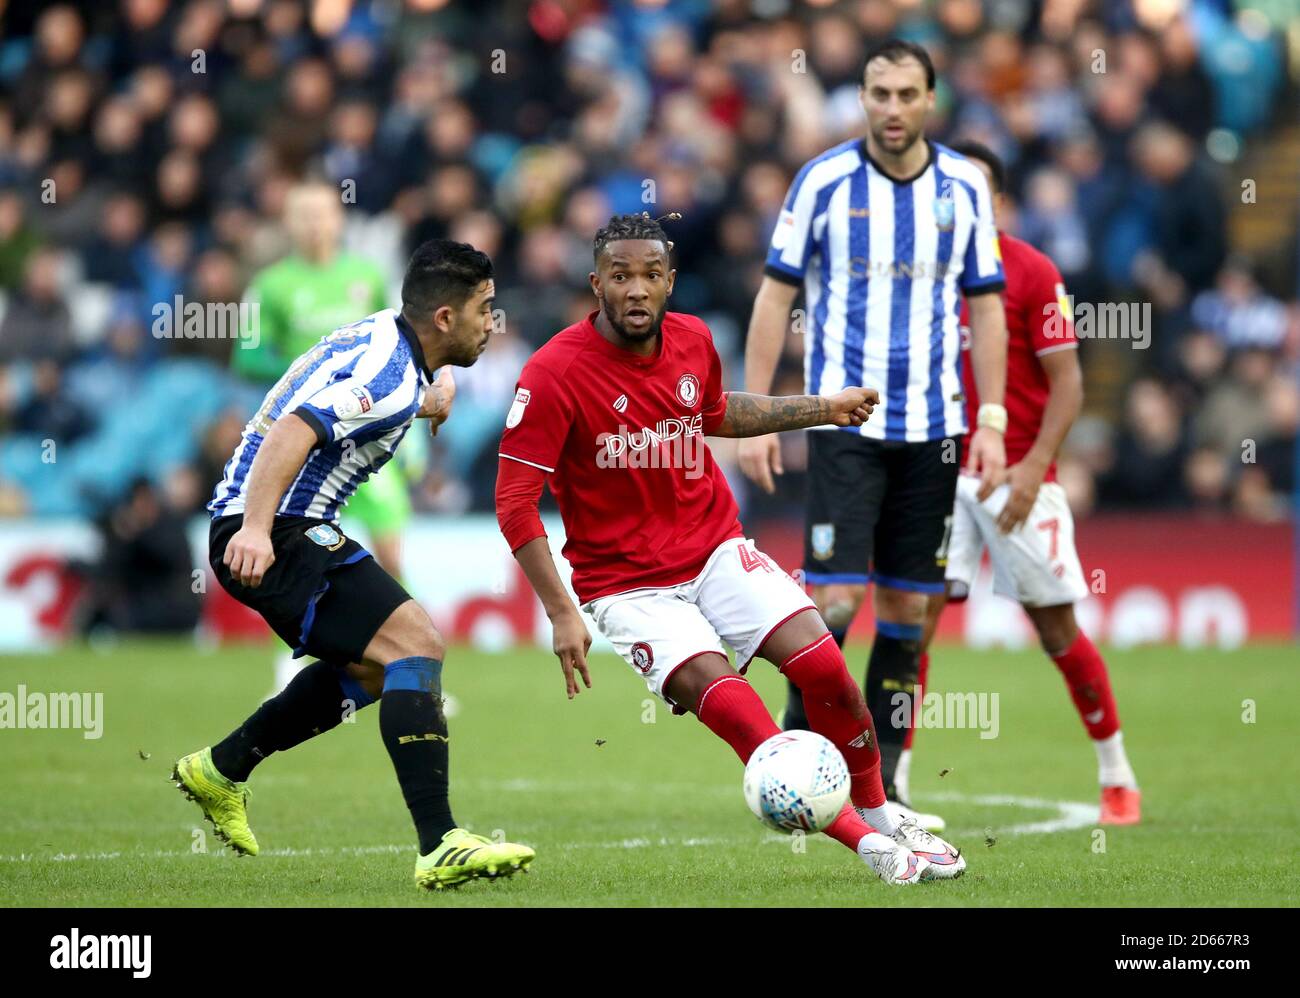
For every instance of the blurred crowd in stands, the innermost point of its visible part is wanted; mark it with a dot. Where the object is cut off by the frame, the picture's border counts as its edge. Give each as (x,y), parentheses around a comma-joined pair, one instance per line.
(146,147)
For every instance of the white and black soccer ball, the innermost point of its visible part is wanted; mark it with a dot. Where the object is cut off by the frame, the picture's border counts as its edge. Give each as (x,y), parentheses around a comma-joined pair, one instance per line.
(796,780)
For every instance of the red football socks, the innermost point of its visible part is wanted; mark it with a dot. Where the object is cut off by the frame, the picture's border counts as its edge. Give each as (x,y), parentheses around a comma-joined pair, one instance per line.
(731,709)
(835,708)
(1085,674)
(848,828)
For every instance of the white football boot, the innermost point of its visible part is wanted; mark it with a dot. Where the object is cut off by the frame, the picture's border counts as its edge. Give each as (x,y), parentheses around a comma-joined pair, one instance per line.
(943,861)
(892,862)
(930,822)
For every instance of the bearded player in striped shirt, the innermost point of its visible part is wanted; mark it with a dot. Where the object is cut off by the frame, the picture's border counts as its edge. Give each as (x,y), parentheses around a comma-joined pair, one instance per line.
(332,421)
(886,235)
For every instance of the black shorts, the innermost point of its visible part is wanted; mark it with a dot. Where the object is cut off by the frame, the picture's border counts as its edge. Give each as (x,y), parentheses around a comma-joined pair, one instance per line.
(879,510)
(324,595)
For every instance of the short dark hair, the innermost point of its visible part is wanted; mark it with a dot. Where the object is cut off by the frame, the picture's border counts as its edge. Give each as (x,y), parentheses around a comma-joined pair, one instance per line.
(978,150)
(896,50)
(628,227)
(442,272)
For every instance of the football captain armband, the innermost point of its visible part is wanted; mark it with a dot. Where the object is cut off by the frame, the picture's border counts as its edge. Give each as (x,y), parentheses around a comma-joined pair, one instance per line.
(993,416)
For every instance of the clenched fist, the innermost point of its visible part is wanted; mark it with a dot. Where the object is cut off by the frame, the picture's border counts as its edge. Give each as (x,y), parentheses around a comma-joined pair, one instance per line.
(853,406)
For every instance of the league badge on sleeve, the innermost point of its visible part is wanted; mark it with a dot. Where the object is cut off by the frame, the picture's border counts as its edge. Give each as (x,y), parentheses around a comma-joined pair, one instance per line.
(516,413)
(1064,302)
(349,402)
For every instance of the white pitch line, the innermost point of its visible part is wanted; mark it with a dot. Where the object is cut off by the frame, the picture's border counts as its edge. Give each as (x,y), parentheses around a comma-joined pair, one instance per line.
(1070,815)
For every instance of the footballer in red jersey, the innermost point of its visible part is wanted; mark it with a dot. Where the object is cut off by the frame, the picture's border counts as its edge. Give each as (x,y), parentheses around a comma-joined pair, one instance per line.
(613,412)
(1026,523)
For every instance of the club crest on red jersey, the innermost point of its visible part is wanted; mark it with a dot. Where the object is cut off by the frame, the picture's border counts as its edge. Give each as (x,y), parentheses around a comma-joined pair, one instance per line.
(688,390)
(642,657)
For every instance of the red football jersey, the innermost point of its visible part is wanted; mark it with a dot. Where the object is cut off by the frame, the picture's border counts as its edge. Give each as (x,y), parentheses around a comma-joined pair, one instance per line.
(1039,321)
(622,438)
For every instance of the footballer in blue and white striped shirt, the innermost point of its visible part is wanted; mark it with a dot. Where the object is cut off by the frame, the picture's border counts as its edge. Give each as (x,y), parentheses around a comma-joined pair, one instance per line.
(885,235)
(275,545)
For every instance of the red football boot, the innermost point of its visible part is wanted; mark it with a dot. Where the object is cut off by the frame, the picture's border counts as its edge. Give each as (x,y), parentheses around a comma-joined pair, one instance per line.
(1120,806)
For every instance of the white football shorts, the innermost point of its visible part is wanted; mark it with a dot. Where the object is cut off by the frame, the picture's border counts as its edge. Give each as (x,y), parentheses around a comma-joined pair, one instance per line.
(740,598)
(1036,564)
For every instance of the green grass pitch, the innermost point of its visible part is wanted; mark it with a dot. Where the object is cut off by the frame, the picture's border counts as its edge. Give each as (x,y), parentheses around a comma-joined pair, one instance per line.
(627,805)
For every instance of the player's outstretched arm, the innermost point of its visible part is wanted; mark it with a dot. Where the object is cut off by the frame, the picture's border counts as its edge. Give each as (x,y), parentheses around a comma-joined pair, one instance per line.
(752,415)
(278,461)
(988,356)
(570,638)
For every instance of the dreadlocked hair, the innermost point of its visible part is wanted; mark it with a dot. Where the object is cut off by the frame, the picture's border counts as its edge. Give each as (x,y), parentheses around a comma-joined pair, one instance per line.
(640,226)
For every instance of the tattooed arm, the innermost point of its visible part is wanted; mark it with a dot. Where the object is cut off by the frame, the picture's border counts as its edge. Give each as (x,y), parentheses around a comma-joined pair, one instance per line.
(753,415)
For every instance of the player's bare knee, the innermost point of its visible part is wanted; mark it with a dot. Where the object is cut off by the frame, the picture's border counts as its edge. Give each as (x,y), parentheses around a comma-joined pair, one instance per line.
(839,604)
(693,677)
(417,635)
(797,633)
(933,611)
(1056,627)
(407,633)
(900,606)
(435,643)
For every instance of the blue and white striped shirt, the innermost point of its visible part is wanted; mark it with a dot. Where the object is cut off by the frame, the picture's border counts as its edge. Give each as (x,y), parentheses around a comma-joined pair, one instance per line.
(884,264)
(359,388)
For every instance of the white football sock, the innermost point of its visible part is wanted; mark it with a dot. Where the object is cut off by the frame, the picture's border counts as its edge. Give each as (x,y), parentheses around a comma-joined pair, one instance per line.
(1113,769)
(902,775)
(879,818)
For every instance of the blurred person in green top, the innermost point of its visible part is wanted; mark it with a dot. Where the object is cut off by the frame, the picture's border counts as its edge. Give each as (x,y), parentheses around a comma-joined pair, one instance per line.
(306,295)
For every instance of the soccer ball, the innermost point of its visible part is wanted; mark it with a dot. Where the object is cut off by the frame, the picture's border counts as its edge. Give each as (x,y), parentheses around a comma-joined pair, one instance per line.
(796,780)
